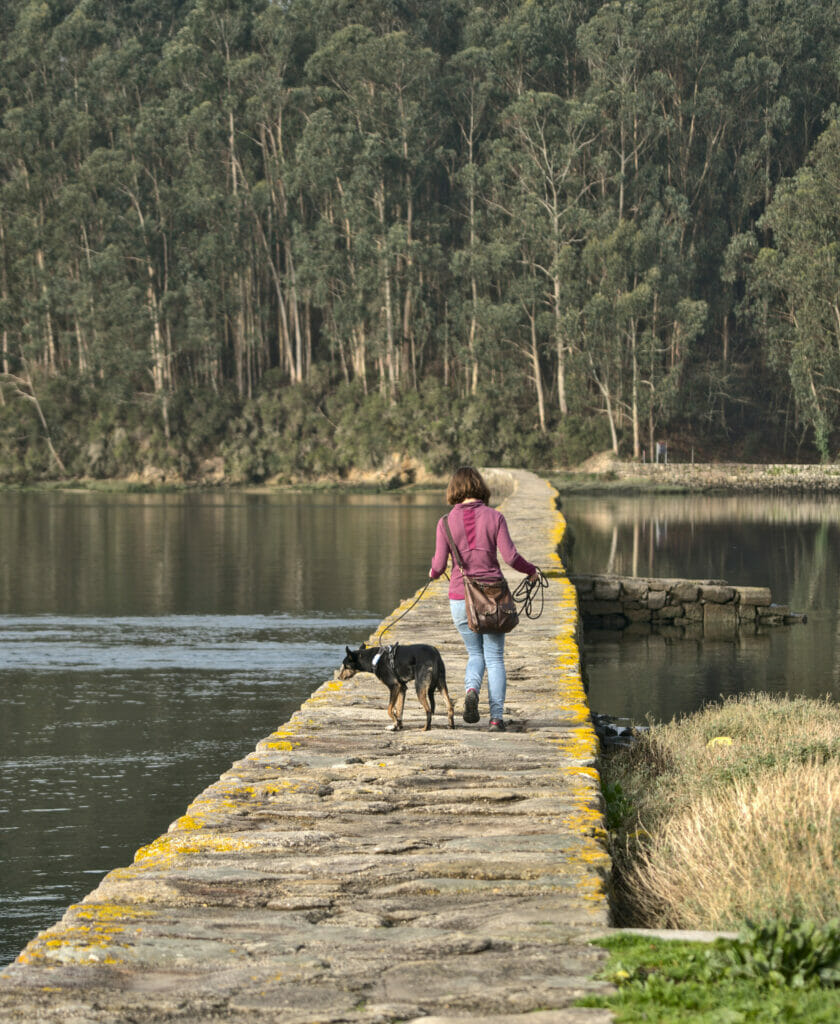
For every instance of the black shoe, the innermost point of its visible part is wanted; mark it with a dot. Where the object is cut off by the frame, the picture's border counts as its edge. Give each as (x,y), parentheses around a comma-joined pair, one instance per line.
(471,714)
(497,725)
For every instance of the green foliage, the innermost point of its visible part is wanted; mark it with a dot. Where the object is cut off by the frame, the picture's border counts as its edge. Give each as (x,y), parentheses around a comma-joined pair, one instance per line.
(554,208)
(667,982)
(794,953)
(618,809)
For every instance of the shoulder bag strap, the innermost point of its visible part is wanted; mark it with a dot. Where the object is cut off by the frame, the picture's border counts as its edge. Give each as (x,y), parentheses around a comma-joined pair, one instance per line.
(456,554)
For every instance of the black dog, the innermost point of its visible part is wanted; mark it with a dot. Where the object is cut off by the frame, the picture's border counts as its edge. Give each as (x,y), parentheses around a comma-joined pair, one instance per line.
(396,666)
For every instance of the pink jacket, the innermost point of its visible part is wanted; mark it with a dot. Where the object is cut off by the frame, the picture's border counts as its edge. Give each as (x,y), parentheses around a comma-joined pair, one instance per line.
(478,531)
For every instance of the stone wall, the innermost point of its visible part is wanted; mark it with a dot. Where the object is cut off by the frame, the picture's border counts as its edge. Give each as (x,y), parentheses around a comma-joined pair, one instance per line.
(676,608)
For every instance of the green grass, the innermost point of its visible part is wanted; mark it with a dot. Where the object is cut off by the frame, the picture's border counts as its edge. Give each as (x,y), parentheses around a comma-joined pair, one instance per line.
(667,982)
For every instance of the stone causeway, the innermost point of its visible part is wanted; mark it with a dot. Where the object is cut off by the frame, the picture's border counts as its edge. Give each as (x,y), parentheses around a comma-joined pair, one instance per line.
(341,872)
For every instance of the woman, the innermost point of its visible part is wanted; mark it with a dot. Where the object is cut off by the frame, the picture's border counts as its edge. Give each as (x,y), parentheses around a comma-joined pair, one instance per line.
(477,531)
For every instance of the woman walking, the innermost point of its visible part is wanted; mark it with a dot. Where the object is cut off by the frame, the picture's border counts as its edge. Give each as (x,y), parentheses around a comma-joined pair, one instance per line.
(478,532)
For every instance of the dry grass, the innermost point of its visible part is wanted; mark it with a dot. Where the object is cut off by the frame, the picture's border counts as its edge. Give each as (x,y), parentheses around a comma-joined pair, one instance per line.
(721,834)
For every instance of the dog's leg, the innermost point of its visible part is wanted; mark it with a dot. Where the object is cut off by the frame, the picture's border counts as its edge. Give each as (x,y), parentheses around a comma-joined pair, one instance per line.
(450,707)
(400,703)
(395,703)
(425,695)
(444,692)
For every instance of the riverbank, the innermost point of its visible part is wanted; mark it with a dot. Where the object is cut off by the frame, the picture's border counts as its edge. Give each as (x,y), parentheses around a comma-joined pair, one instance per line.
(601,474)
(605,473)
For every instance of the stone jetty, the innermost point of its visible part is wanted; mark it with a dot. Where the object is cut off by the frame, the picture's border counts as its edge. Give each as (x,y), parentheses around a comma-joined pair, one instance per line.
(344,873)
(676,608)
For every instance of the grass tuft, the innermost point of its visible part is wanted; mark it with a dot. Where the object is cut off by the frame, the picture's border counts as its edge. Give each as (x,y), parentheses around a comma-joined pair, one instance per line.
(708,836)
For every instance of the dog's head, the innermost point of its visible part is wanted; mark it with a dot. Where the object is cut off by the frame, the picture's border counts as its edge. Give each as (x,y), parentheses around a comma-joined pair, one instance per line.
(352,663)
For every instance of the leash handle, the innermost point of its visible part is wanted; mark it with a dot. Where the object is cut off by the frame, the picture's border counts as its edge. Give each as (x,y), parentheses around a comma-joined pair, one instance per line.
(526,593)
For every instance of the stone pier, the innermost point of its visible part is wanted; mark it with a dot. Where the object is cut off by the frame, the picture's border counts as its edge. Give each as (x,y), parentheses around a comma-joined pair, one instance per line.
(344,873)
(675,608)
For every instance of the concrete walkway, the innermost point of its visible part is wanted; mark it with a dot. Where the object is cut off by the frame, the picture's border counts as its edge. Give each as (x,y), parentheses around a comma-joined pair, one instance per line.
(342,872)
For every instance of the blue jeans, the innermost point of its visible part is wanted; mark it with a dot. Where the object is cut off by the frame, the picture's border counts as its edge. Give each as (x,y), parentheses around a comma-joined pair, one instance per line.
(484,650)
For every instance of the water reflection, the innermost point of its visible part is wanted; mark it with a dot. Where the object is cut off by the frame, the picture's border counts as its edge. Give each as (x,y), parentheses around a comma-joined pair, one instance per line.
(790,544)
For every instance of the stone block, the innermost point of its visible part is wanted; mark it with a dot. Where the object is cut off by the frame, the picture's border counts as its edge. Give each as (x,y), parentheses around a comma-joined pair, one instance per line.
(637,614)
(773,611)
(694,612)
(720,620)
(656,599)
(634,588)
(601,607)
(671,611)
(657,584)
(759,596)
(583,584)
(683,592)
(796,619)
(716,594)
(607,590)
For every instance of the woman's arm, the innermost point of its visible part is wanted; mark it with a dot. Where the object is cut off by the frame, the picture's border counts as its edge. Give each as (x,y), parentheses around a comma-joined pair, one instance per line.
(508,550)
(441,552)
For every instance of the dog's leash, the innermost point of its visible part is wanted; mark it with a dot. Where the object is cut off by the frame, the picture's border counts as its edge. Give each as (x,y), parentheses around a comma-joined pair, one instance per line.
(393,622)
(526,593)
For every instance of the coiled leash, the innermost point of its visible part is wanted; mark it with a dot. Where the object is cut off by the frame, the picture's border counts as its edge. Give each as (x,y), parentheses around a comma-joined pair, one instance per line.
(525,597)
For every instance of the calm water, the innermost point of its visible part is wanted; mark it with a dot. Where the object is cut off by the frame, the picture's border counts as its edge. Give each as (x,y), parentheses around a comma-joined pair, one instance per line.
(791,545)
(147,641)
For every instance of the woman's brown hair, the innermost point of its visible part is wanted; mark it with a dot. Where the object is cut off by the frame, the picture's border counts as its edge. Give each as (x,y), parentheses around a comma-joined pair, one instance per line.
(466,483)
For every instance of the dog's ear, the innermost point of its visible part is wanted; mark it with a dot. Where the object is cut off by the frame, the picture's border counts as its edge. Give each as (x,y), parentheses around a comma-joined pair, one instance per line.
(346,648)
(364,645)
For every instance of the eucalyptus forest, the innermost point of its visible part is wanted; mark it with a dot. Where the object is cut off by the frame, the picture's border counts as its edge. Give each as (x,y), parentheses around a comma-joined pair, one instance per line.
(298,235)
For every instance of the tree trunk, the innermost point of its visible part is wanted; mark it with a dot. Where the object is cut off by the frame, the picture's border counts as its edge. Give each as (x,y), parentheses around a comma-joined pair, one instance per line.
(634,397)
(536,372)
(561,350)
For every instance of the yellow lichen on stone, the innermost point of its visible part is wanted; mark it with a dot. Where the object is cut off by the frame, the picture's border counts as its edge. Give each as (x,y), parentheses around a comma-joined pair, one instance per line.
(106,912)
(186,823)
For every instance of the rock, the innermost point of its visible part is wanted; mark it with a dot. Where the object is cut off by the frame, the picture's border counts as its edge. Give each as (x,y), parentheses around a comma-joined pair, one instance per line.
(671,611)
(636,589)
(759,596)
(607,590)
(716,594)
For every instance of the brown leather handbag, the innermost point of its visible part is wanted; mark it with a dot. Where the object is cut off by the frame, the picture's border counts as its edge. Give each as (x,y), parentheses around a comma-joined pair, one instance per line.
(490,604)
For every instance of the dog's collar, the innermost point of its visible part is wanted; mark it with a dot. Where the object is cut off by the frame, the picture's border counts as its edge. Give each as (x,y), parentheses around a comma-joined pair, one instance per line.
(376,657)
